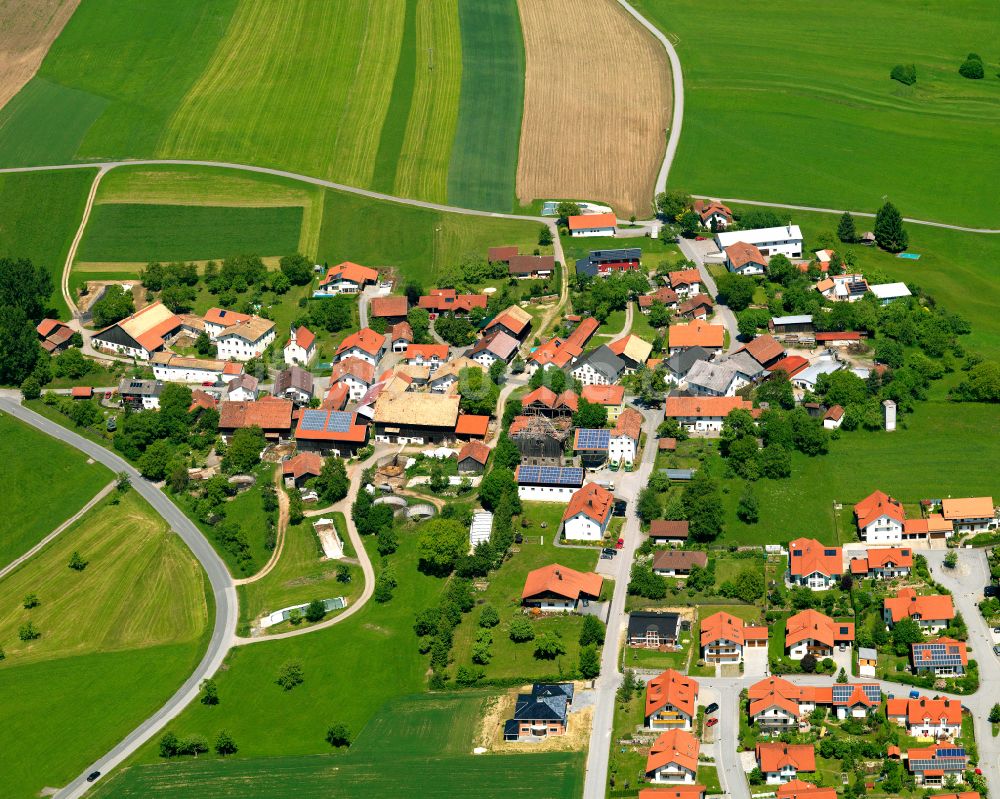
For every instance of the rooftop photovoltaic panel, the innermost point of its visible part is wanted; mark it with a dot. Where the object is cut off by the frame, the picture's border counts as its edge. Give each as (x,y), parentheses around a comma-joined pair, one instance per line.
(592,438)
(340,422)
(549,475)
(313,420)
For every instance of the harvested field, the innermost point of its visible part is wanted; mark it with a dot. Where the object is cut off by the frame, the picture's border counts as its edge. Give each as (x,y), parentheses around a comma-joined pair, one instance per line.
(30,26)
(597,105)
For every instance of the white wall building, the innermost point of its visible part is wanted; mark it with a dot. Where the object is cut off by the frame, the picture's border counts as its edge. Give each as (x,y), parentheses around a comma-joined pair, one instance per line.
(245,340)
(784,240)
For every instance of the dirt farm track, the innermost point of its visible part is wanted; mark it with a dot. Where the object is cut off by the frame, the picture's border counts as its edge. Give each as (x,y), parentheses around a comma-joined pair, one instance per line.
(597,105)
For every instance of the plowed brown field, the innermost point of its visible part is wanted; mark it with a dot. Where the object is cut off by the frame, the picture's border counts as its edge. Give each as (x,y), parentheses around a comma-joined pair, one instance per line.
(597,105)
(29,27)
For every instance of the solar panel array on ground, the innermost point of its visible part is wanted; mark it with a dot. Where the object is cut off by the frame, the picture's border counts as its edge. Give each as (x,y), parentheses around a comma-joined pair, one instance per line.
(587,438)
(550,475)
(316,421)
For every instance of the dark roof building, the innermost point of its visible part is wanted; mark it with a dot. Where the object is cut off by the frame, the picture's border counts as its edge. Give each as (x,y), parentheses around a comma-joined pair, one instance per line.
(652,629)
(604,261)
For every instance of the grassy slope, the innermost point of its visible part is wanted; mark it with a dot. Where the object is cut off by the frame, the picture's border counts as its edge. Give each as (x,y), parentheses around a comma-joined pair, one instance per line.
(484,158)
(807,113)
(43,483)
(141,588)
(39,213)
(429,738)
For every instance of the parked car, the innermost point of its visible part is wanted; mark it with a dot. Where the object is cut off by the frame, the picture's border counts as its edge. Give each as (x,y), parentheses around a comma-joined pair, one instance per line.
(712,722)
(712,707)
(979,771)
(996,649)
(605,555)
(996,630)
(991,590)
(93,776)
(914,694)
(609,551)
(620,544)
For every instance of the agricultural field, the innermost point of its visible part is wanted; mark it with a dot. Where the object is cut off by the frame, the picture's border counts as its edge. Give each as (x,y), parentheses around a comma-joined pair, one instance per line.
(484,156)
(31,26)
(429,738)
(824,125)
(595,116)
(34,508)
(39,214)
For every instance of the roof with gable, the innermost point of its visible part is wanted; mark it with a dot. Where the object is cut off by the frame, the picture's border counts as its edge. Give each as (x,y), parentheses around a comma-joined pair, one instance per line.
(629,424)
(303,337)
(46,326)
(592,501)
(561,581)
(253,329)
(690,792)
(421,410)
(366,340)
(514,318)
(924,709)
(875,506)
(899,557)
(714,376)
(968,508)
(906,604)
(797,789)
(764,349)
(672,688)
(704,407)
(355,367)
(552,352)
(604,395)
(684,277)
(696,334)
(740,254)
(393,305)
(933,759)
(201,399)
(268,413)
(499,343)
(706,208)
(838,336)
(631,347)
(721,626)
(526,264)
(302,464)
(401,331)
(666,528)
(470,424)
(808,556)
(351,272)
(604,362)
(816,626)
(663,294)
(147,327)
(790,364)
(355,433)
(225,317)
(336,397)
(591,221)
(696,302)
(834,414)
(441,300)
(776,756)
(683,559)
(674,746)
(426,352)
(476,450)
(939,652)
(293,377)
(502,253)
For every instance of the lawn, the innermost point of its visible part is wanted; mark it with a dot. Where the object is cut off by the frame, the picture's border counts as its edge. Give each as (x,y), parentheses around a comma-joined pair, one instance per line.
(428,737)
(39,214)
(141,588)
(820,125)
(59,482)
(512,660)
(484,156)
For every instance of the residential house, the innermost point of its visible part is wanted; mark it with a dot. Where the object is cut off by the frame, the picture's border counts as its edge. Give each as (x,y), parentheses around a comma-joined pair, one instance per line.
(880,518)
(53,335)
(671,701)
(933,612)
(201,401)
(339,433)
(448,301)
(472,457)
(555,588)
(543,401)
(791,365)
(401,336)
(765,350)
(723,637)
(883,564)
(784,240)
(937,764)
(365,344)
(172,368)
(714,379)
(926,718)
(686,282)
(633,350)
(243,388)
(713,214)
(678,562)
(294,383)
(674,792)
(599,367)
(498,346)
(652,630)
(612,397)
(592,446)
(139,335)
(678,365)
(673,758)
(430,355)
(301,346)
(299,468)
(347,278)
(814,565)
(623,444)
(588,513)
(944,657)
(403,417)
(547,483)
(514,321)
(797,789)
(833,417)
(501,255)
(971,515)
(541,714)
(393,308)
(549,355)
(472,427)
(531,266)
(600,263)
(781,762)
(776,703)
(664,295)
(813,633)
(889,292)
(843,288)
(217,320)
(271,414)
(700,306)
(592,225)
(140,394)
(934,528)
(358,375)
(745,259)
(245,340)
(703,414)
(696,334)
(665,531)
(540,439)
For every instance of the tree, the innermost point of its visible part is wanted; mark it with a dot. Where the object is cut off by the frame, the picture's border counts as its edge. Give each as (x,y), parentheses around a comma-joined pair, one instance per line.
(889,232)
(25,286)
(478,393)
(544,236)
(982,384)
(549,646)
(76,562)
(671,204)
(154,461)
(440,544)
(297,269)
(846,231)
(31,601)
(808,663)
(506,455)
(289,675)
(590,663)
(590,415)
(994,717)
(224,744)
(498,483)
(747,510)
(19,349)
(332,313)
(842,677)
(521,630)
(905,74)
(972,68)
(169,745)
(735,291)
(30,389)
(338,735)
(642,582)
(648,504)
(565,210)
(488,616)
(690,223)
(243,452)
(209,692)
(28,632)
(332,484)
(889,352)
(114,306)
(315,611)
(777,390)
(703,506)
(750,320)
(905,632)
(592,631)
(951,559)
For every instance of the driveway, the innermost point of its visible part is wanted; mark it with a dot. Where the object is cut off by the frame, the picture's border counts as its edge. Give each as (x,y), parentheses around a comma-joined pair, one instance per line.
(696,251)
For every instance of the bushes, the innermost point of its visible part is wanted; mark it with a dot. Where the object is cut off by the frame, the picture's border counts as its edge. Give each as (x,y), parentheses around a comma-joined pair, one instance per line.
(972,67)
(905,74)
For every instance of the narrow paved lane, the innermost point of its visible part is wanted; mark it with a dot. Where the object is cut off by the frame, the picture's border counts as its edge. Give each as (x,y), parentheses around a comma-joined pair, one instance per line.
(723,312)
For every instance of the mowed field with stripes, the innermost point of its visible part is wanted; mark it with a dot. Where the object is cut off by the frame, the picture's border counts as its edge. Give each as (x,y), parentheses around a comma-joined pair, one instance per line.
(373,95)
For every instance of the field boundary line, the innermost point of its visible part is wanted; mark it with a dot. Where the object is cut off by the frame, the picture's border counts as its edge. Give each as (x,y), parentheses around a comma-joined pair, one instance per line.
(58,531)
(75,245)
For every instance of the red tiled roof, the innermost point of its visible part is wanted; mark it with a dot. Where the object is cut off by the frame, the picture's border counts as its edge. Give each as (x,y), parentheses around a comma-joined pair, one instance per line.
(811,624)
(666,528)
(841,336)
(225,317)
(791,365)
(303,463)
(401,331)
(393,305)
(704,407)
(476,450)
(355,273)
(696,334)
(336,397)
(684,277)
(269,414)
(906,603)
(591,221)
(469,424)
(774,756)
(304,337)
(593,501)
(797,789)
(834,414)
(355,367)
(667,444)
(46,326)
(807,555)
(426,352)
(558,580)
(356,434)
(764,349)
(604,395)
(499,254)
(674,746)
(671,688)
(201,399)
(876,505)
(365,339)
(82,392)
(629,424)
(684,792)
(740,254)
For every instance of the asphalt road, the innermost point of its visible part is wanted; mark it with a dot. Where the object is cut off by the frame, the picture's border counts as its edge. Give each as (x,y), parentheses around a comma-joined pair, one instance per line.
(223,590)
(723,312)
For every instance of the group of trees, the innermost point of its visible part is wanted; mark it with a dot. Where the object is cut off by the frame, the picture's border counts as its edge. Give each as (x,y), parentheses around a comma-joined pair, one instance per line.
(598,297)
(175,281)
(24,296)
(114,305)
(972,68)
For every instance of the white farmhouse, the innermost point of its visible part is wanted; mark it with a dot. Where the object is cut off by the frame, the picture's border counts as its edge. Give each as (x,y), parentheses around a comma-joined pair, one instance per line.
(245,340)
(784,240)
(588,513)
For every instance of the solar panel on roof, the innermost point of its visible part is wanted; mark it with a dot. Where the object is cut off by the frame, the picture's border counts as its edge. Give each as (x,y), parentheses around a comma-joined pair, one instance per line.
(313,420)
(339,422)
(592,438)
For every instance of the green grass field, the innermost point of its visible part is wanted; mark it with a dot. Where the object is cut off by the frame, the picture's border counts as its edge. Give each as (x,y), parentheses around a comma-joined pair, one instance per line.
(484,158)
(39,214)
(43,483)
(143,232)
(428,737)
(141,588)
(803,118)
